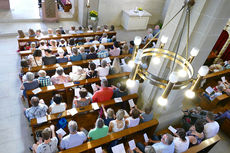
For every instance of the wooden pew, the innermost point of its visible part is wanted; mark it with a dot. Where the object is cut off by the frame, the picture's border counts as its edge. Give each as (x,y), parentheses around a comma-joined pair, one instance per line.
(81,117)
(225,126)
(83,63)
(48,94)
(107,45)
(205,146)
(129,134)
(211,80)
(65,36)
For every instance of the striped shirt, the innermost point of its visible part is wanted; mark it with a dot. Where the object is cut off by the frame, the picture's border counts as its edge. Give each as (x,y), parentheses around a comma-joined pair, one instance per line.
(44,81)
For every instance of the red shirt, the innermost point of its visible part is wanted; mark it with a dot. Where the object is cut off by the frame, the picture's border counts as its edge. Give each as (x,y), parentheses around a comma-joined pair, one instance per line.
(103,94)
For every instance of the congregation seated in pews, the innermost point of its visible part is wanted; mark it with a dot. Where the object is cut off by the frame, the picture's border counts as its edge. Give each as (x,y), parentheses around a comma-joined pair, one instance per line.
(61,36)
(109,123)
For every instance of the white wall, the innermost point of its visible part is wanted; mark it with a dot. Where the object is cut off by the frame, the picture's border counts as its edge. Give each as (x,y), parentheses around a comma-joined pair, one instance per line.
(110,11)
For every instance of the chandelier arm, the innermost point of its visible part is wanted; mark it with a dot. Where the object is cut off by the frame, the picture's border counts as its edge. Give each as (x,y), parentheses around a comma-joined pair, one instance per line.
(164,26)
(187,46)
(178,45)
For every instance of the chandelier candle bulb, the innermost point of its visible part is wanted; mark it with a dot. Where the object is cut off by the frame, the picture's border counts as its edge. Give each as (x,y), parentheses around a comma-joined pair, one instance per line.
(131,64)
(190,94)
(164,39)
(203,71)
(194,52)
(130,83)
(137,40)
(173,77)
(162,101)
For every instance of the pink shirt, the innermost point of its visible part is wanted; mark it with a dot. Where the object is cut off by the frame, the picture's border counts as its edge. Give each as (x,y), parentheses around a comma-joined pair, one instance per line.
(60,79)
(115,52)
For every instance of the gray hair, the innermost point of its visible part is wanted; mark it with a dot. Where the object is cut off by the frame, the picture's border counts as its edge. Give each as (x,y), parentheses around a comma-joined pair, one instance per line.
(120,114)
(82,49)
(29,76)
(103,63)
(72,126)
(99,123)
(101,47)
(59,70)
(169,139)
(149,149)
(42,73)
(75,51)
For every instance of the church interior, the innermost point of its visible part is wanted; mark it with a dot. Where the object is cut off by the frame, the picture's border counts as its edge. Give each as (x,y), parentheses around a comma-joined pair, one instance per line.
(115,76)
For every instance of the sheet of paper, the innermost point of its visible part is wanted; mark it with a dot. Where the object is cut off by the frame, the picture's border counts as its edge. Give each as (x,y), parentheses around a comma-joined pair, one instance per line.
(75,68)
(223,79)
(68,49)
(73,111)
(123,61)
(60,49)
(41,120)
(51,87)
(61,131)
(107,60)
(172,129)
(131,103)
(97,62)
(118,100)
(146,137)
(76,92)
(37,90)
(209,90)
(132,145)
(25,52)
(95,106)
(119,148)
(102,78)
(69,63)
(98,150)
(94,87)
(69,84)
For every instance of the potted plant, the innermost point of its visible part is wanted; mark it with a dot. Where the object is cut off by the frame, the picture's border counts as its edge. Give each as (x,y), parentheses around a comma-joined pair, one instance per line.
(140,9)
(93,15)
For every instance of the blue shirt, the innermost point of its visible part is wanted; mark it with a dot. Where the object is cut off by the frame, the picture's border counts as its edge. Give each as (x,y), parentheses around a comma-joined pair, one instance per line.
(163,148)
(103,54)
(62,60)
(76,58)
(147,117)
(73,140)
(130,50)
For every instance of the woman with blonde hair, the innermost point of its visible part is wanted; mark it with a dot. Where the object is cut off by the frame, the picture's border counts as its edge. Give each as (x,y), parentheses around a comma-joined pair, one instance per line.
(125,49)
(116,67)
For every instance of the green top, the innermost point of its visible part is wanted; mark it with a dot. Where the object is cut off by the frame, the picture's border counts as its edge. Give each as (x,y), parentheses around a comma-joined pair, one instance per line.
(98,133)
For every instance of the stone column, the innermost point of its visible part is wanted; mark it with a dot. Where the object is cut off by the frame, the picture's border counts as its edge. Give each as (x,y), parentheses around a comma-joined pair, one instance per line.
(208,18)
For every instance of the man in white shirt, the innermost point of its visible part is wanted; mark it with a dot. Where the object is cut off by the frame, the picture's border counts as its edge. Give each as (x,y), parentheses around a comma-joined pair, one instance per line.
(165,145)
(212,127)
(73,139)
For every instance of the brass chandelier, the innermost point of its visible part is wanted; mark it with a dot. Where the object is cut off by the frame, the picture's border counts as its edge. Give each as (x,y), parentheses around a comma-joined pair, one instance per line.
(186,69)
